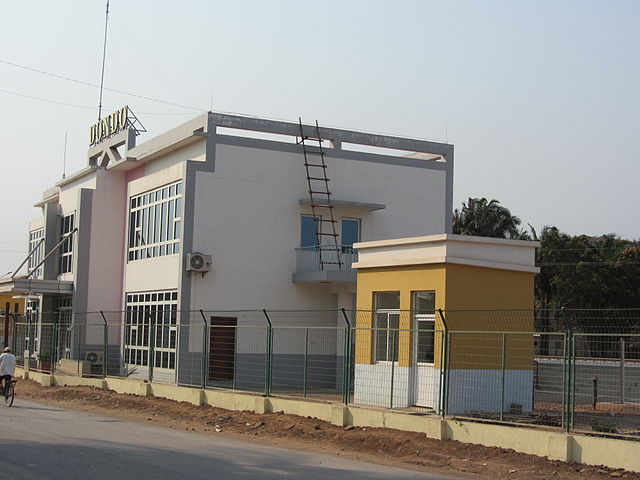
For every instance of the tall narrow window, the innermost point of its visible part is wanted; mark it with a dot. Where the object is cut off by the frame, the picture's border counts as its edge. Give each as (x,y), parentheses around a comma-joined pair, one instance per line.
(67,224)
(36,249)
(308,237)
(151,329)
(424,306)
(387,323)
(154,222)
(350,234)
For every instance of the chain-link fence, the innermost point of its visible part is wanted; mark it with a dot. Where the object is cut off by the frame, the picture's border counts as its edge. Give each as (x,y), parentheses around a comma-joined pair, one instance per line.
(575,370)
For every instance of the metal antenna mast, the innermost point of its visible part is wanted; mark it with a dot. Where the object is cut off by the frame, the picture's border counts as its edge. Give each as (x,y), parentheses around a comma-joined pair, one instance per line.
(64,164)
(104,56)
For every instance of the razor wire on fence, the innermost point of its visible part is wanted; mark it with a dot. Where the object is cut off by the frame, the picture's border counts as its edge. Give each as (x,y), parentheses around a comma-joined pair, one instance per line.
(574,370)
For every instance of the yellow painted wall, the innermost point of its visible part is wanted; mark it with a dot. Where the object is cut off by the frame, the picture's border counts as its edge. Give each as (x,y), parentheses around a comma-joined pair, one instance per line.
(489,288)
(457,287)
(393,279)
(9,298)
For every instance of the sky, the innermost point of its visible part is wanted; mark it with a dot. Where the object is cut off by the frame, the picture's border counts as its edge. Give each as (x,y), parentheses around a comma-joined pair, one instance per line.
(540,98)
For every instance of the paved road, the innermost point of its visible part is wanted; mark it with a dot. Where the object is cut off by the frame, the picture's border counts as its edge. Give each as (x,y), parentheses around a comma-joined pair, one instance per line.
(43,442)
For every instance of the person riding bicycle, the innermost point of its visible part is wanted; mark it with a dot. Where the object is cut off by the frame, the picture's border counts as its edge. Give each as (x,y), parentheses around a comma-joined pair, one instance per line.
(7,367)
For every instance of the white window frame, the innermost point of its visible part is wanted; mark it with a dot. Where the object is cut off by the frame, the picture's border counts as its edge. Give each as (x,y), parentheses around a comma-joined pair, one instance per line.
(151,315)
(386,331)
(37,247)
(150,237)
(65,259)
(417,319)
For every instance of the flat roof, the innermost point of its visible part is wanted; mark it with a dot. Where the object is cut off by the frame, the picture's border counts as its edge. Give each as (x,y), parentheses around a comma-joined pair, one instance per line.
(499,253)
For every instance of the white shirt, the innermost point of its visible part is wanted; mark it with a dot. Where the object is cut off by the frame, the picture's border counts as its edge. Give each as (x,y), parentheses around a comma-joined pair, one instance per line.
(7,364)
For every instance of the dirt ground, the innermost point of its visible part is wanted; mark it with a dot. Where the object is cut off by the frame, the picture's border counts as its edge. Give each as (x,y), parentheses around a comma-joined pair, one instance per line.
(375,445)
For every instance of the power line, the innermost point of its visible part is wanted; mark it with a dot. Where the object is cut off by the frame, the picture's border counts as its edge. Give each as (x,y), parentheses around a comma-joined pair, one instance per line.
(590,248)
(84,107)
(88,84)
(604,263)
(31,97)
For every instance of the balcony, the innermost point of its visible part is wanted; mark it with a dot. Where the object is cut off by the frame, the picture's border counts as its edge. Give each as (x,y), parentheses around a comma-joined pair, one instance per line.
(319,264)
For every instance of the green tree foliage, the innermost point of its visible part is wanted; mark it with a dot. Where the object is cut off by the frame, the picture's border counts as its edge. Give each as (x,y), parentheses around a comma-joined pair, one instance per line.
(487,218)
(587,272)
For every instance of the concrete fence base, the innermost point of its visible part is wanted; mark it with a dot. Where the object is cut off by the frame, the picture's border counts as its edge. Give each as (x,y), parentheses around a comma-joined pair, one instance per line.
(555,445)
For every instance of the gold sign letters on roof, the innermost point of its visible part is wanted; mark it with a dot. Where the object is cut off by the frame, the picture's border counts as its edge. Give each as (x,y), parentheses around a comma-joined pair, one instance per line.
(109,125)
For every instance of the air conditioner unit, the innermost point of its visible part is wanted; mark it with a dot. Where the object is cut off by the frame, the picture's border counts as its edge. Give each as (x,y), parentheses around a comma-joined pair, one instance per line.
(94,358)
(197,262)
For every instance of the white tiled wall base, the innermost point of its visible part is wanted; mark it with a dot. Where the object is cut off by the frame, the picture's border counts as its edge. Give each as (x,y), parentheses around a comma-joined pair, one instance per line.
(481,390)
(470,391)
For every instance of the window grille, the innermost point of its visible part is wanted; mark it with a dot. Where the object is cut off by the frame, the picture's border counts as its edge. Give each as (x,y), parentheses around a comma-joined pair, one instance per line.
(154,222)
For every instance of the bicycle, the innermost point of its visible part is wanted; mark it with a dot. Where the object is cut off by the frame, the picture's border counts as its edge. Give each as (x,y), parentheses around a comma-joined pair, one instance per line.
(9,392)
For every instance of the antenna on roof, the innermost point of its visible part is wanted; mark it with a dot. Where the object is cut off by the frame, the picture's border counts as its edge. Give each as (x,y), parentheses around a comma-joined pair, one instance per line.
(104,56)
(64,162)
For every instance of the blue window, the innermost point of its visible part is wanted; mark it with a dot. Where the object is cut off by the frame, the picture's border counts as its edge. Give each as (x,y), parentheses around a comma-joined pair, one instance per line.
(350,233)
(308,236)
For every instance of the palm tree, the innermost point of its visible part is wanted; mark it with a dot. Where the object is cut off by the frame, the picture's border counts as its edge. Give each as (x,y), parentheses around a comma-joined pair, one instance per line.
(484,218)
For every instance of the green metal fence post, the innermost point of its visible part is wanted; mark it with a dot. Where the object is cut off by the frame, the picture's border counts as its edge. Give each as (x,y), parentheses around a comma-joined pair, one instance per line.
(572,391)
(56,343)
(79,350)
(205,362)
(393,364)
(152,341)
(444,349)
(568,388)
(622,375)
(563,403)
(267,366)
(14,335)
(504,357)
(52,345)
(234,382)
(306,362)
(27,339)
(346,368)
(105,345)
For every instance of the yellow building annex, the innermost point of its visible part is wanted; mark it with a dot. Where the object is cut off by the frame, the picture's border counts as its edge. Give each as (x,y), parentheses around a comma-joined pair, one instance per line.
(411,290)
(8,305)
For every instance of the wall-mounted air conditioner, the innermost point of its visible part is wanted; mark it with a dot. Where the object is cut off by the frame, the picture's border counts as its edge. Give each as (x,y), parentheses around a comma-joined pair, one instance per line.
(198,262)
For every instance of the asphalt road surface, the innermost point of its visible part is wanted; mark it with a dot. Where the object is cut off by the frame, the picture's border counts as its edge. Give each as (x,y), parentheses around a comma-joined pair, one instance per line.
(43,442)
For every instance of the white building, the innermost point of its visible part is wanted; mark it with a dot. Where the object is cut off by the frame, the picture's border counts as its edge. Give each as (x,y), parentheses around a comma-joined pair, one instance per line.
(234,188)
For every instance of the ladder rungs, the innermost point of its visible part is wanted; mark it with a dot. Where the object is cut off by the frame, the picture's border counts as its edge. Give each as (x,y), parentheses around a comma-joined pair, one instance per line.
(320,193)
(321,205)
(326,220)
(311,152)
(315,165)
(319,179)
(328,234)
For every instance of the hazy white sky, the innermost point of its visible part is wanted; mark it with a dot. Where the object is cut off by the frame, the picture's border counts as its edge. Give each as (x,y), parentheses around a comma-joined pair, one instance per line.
(540,99)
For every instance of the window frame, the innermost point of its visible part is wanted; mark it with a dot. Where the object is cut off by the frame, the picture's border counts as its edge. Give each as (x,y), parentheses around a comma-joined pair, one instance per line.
(316,220)
(390,354)
(155,220)
(65,256)
(423,317)
(35,245)
(138,331)
(349,248)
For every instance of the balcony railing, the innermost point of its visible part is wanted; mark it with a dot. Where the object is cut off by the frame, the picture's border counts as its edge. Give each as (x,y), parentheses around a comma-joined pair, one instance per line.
(308,259)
